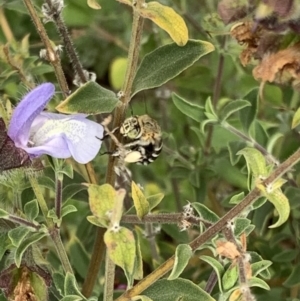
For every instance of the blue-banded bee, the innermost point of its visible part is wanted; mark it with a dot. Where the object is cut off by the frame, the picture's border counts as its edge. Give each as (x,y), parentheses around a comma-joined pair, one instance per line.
(142,140)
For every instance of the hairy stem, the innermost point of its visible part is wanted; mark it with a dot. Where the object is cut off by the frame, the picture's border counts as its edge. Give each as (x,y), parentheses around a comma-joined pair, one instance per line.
(58,195)
(52,56)
(119,115)
(55,236)
(70,50)
(109,279)
(213,230)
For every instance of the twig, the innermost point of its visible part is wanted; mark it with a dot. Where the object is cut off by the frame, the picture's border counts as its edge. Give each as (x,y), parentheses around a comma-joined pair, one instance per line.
(213,230)
(51,55)
(119,115)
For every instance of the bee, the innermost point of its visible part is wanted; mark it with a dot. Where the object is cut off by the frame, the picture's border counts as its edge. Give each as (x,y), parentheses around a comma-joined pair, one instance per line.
(142,140)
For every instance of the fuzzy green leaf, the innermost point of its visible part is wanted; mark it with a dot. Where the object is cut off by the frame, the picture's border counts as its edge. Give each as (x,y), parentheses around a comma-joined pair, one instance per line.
(258,267)
(205,213)
(102,199)
(258,283)
(90,98)
(216,265)
(31,210)
(232,107)
(178,289)
(282,205)
(166,62)
(182,256)
(255,161)
(248,114)
(154,200)
(68,209)
(18,234)
(294,278)
(230,277)
(71,287)
(25,244)
(140,202)
(296,119)
(121,249)
(241,224)
(190,109)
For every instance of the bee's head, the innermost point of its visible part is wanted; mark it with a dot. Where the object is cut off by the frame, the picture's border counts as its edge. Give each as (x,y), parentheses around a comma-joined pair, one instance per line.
(131,128)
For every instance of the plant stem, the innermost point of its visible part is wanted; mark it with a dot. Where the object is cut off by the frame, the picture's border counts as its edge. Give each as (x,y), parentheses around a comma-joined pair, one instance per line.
(119,114)
(54,232)
(213,230)
(5,27)
(70,50)
(52,56)
(40,198)
(22,221)
(252,142)
(58,195)
(109,279)
(55,236)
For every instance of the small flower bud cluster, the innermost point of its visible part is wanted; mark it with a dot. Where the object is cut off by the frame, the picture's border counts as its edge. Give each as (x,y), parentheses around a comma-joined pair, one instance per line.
(53,10)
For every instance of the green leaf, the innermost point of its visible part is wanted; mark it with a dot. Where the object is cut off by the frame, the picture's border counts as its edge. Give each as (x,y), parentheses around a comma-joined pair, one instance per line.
(178,289)
(102,199)
(70,190)
(140,202)
(285,256)
(17,235)
(294,277)
(166,62)
(71,287)
(190,109)
(121,249)
(256,162)
(258,283)
(90,98)
(25,244)
(258,267)
(233,148)
(138,266)
(182,256)
(241,224)
(232,107)
(95,221)
(39,287)
(31,210)
(248,114)
(216,265)
(237,198)
(67,170)
(67,209)
(59,280)
(167,19)
(296,119)
(205,213)
(3,213)
(282,205)
(209,110)
(230,277)
(154,200)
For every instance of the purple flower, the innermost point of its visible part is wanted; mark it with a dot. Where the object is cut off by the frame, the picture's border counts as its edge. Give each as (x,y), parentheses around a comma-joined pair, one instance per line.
(57,135)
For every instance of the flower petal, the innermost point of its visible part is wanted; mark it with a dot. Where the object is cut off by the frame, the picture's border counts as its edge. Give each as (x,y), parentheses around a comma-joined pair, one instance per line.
(73,132)
(26,111)
(56,147)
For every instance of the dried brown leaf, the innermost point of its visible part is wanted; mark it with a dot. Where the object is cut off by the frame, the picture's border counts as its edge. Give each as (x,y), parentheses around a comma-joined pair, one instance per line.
(227,249)
(281,67)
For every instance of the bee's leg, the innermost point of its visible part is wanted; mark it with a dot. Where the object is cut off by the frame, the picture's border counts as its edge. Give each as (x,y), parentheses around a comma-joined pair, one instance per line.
(107,135)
